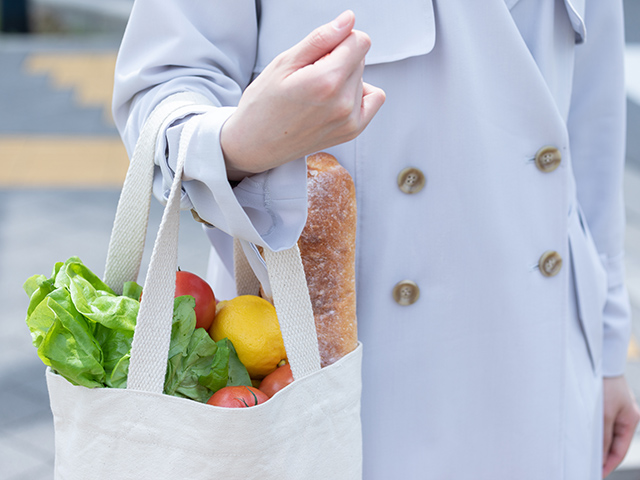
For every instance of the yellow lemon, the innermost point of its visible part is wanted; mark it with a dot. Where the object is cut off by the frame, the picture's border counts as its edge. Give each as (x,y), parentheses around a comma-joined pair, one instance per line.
(251,323)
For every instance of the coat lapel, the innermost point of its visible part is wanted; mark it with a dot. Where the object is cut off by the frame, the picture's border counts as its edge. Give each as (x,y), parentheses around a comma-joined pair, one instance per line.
(575,10)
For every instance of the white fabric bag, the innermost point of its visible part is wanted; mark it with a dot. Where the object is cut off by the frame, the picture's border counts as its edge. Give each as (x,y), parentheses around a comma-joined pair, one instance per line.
(309,430)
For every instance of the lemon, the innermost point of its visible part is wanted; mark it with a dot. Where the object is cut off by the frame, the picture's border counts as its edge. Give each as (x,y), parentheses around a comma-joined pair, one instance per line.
(251,323)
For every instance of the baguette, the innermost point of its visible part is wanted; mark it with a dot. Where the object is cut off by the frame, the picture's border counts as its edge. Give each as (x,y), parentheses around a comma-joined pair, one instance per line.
(328,246)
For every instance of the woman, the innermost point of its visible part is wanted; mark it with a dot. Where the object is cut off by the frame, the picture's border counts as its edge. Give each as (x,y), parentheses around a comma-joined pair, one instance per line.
(488,191)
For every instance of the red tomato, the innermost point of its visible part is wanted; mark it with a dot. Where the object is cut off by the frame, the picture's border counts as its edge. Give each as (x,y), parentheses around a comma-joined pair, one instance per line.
(276,380)
(237,397)
(190,284)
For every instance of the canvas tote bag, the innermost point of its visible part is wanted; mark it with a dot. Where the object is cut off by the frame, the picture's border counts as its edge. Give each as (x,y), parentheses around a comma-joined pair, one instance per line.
(309,430)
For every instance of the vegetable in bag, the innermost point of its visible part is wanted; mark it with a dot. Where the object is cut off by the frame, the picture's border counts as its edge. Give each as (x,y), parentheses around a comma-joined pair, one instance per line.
(83,331)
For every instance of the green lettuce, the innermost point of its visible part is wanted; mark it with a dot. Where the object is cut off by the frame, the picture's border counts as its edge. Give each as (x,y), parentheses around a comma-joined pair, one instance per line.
(198,367)
(83,331)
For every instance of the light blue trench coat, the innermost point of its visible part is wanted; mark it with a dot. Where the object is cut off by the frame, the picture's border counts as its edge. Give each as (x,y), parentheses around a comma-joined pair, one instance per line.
(495,370)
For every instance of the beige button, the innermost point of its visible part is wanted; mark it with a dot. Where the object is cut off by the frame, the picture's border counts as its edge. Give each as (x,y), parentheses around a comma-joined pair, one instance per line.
(411,180)
(406,292)
(550,263)
(548,159)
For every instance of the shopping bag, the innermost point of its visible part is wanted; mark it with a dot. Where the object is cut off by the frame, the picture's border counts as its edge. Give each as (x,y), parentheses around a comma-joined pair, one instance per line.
(309,430)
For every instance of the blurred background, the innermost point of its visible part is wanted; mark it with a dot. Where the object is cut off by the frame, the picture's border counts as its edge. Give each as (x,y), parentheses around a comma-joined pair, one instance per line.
(61,167)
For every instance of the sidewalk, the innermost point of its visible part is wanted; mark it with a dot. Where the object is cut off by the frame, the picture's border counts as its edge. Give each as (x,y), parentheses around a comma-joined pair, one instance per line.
(57,201)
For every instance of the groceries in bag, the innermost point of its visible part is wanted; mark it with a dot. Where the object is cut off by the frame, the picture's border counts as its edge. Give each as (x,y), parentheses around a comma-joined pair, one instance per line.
(83,330)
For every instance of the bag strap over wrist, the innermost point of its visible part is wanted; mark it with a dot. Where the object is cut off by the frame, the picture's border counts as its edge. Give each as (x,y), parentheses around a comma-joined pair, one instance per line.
(150,346)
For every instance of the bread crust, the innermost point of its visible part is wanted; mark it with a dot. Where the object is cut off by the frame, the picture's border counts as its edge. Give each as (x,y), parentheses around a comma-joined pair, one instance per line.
(328,250)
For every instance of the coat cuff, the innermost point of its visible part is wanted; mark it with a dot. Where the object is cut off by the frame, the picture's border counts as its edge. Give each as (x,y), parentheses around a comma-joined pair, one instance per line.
(616,321)
(268,209)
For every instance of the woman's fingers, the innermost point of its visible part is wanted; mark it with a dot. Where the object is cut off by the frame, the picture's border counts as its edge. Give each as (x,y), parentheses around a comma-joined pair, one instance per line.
(321,41)
(348,55)
(372,99)
(619,438)
(617,448)
(337,72)
(621,416)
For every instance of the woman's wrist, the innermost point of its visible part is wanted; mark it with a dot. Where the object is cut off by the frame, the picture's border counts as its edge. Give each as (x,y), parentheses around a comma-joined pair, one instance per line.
(232,152)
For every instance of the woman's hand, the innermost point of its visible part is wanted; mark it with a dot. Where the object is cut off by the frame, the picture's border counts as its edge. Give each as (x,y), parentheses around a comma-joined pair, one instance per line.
(621,415)
(308,98)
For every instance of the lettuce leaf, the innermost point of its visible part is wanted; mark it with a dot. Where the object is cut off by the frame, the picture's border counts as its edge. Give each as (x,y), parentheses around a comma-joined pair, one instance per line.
(238,374)
(118,377)
(226,370)
(69,346)
(189,366)
(84,331)
(218,376)
(74,267)
(132,290)
(109,310)
(184,324)
(80,328)
(197,367)
(116,345)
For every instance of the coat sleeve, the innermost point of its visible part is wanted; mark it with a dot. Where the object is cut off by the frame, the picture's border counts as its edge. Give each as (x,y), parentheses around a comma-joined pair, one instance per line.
(208,47)
(597,129)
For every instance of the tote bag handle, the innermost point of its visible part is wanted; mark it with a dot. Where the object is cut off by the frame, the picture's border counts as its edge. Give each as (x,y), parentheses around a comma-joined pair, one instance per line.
(150,347)
(126,244)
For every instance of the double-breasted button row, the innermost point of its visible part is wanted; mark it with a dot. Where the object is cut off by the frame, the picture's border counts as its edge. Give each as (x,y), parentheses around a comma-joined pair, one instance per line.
(548,159)
(411,180)
(407,292)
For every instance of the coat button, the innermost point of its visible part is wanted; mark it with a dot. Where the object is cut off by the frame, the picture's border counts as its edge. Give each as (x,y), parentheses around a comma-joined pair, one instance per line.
(548,159)
(406,292)
(550,263)
(411,180)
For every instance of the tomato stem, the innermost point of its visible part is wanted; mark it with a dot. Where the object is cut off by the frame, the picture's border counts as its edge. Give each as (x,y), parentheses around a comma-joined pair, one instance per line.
(254,395)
